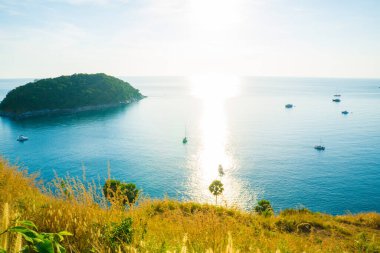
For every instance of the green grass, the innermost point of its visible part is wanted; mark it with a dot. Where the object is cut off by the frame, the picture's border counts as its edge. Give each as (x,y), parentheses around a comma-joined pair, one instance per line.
(172,226)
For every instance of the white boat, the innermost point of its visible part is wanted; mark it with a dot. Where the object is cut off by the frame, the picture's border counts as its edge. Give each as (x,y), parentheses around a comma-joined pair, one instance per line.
(22,138)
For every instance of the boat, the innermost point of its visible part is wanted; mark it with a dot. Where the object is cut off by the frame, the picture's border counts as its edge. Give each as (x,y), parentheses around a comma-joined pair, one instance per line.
(184,140)
(337,95)
(336,100)
(289,106)
(22,138)
(345,112)
(319,147)
(220,170)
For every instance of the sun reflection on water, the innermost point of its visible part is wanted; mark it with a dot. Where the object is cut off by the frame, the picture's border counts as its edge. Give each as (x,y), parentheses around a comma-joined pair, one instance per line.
(215,149)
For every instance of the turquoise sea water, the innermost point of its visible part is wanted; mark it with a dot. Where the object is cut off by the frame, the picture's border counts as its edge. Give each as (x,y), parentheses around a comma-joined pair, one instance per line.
(266,150)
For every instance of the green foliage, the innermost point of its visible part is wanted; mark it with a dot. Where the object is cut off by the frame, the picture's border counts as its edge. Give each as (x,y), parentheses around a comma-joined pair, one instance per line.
(38,242)
(291,211)
(286,225)
(366,243)
(118,192)
(122,232)
(69,92)
(117,234)
(216,188)
(264,208)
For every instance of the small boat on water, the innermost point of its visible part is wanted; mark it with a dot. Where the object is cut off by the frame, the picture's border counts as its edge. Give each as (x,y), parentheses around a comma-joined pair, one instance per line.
(289,106)
(337,100)
(319,147)
(184,140)
(337,95)
(220,170)
(22,138)
(345,112)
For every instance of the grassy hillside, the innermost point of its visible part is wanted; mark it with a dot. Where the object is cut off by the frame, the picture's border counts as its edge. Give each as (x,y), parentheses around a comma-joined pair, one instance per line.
(172,226)
(68,92)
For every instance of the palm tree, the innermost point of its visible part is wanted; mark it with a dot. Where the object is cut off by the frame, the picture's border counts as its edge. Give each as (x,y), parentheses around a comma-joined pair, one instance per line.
(216,188)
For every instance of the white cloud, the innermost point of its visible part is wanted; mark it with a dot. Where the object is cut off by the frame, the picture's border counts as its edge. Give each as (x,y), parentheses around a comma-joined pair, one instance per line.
(150,37)
(94,2)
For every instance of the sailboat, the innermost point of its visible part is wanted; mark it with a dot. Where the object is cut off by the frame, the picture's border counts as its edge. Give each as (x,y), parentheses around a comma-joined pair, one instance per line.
(184,140)
(320,147)
(220,170)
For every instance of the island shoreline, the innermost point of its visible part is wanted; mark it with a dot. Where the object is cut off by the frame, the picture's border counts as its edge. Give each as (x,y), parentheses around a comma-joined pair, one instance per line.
(66,111)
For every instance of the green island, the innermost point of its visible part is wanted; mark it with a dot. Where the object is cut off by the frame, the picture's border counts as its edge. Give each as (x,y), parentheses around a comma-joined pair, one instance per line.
(74,215)
(67,94)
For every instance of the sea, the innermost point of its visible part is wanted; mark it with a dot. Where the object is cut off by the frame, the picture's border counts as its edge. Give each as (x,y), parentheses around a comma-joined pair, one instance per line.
(238,132)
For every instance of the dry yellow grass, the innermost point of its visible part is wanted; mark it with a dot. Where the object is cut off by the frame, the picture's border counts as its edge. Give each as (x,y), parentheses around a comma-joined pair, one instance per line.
(172,226)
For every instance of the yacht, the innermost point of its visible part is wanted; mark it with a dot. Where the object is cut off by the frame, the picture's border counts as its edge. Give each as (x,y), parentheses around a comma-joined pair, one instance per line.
(336,100)
(220,170)
(184,140)
(319,147)
(22,138)
(345,112)
(289,106)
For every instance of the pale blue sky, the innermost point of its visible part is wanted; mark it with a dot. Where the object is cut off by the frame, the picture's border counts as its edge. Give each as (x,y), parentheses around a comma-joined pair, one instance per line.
(325,38)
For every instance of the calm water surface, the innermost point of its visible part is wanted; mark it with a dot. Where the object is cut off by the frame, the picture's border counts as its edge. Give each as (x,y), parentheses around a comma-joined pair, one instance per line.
(240,123)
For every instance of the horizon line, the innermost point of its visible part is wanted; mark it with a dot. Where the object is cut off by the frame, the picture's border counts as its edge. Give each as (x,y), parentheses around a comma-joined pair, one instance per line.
(189,75)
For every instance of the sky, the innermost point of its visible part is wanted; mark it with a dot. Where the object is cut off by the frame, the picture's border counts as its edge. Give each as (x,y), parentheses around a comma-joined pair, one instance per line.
(311,38)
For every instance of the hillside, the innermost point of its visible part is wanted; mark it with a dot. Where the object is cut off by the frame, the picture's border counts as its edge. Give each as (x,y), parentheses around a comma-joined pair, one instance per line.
(172,226)
(73,93)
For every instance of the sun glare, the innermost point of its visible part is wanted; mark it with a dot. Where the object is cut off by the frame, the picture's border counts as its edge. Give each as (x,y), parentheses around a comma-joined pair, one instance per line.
(214,15)
(214,87)
(213,92)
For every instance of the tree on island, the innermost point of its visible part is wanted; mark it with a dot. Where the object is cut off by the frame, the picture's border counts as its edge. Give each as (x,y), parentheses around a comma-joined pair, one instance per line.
(120,193)
(216,188)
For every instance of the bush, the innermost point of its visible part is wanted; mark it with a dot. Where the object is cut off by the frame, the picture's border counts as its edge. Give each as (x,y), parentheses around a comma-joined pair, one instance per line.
(264,208)
(34,240)
(118,234)
(120,193)
(287,226)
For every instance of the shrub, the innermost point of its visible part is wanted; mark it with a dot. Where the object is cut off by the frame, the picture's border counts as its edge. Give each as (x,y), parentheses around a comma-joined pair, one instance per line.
(35,241)
(264,208)
(121,233)
(287,226)
(120,193)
